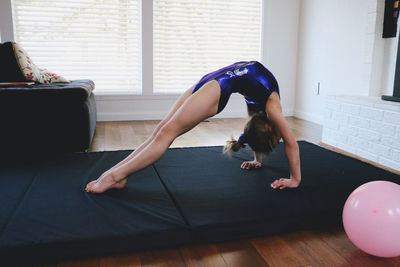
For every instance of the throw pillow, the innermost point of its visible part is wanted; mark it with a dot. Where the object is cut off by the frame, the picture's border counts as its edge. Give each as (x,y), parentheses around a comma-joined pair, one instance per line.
(31,71)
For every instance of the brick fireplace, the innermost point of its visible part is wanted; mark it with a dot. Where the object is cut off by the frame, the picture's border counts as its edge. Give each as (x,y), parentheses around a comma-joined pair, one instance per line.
(364,126)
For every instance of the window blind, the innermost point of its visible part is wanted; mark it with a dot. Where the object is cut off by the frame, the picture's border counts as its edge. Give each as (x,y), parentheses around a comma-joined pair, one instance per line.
(86,39)
(194,37)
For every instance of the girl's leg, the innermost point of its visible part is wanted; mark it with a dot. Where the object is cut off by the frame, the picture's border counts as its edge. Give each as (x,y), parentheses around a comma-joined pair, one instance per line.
(174,108)
(197,107)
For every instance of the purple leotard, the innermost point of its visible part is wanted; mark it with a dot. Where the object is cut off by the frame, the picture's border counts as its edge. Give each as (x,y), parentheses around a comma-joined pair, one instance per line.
(250,79)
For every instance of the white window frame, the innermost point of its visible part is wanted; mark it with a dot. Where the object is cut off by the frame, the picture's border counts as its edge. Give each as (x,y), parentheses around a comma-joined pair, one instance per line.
(147,60)
(7,32)
(113,106)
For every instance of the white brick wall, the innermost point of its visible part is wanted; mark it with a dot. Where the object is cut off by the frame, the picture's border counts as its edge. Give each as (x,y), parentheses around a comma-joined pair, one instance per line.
(365,126)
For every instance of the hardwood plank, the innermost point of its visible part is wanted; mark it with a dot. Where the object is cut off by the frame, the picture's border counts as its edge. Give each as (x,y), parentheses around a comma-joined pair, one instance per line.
(112,136)
(277,252)
(83,262)
(41,265)
(240,254)
(314,250)
(98,138)
(122,260)
(141,133)
(202,256)
(161,258)
(189,139)
(126,133)
(338,240)
(139,127)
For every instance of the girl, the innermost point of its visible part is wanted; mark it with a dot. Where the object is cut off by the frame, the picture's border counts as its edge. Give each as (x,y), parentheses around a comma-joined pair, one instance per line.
(205,99)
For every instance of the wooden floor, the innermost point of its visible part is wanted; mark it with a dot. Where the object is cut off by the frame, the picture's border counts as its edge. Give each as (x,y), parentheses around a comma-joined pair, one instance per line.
(306,248)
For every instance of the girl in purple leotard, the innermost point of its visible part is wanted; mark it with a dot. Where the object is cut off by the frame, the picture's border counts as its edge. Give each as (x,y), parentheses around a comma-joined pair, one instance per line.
(250,79)
(265,127)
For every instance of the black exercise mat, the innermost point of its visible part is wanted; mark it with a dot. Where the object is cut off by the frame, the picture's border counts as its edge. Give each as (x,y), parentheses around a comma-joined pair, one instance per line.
(190,195)
(222,202)
(47,215)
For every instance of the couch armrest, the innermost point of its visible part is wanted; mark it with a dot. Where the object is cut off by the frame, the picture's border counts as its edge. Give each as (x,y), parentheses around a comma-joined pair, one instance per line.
(9,68)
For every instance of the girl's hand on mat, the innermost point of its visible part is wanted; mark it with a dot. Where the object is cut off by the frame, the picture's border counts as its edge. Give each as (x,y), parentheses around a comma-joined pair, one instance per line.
(247,165)
(283,183)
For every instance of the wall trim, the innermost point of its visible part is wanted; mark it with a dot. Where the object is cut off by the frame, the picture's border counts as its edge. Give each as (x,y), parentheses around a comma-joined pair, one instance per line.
(132,116)
(147,108)
(130,97)
(308,116)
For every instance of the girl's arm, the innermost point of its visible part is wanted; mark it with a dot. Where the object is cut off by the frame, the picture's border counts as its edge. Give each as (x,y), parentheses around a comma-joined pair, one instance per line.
(274,111)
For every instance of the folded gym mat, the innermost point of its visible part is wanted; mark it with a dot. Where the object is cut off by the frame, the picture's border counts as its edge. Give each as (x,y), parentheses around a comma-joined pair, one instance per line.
(12,190)
(222,202)
(190,195)
(51,217)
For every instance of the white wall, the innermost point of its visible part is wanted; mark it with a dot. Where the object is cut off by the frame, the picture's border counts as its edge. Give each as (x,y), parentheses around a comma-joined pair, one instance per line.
(341,46)
(279,54)
(332,47)
(6,27)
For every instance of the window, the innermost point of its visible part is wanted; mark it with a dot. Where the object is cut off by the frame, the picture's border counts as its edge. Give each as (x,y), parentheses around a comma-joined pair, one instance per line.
(79,39)
(193,37)
(101,39)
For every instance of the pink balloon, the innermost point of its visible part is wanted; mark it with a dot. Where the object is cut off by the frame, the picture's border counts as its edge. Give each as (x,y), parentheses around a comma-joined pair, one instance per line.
(371,218)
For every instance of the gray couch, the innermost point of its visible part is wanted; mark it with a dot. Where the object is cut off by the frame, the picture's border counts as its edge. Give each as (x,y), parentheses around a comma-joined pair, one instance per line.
(54,117)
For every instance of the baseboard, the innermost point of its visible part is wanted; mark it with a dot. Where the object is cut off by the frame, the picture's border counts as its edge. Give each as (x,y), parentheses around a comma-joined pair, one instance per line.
(308,116)
(129,116)
(288,112)
(132,116)
(133,107)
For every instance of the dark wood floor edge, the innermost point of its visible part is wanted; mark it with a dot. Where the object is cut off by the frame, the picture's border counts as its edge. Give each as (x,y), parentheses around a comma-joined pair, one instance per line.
(345,153)
(344,257)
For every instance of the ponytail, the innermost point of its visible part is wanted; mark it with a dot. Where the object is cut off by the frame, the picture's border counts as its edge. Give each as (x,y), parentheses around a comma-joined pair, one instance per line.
(234,145)
(231,145)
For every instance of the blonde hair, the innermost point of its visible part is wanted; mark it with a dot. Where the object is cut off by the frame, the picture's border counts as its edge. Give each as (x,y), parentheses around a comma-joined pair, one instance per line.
(231,145)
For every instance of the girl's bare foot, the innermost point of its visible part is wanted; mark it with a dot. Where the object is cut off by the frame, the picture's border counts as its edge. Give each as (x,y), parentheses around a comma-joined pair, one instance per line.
(105,182)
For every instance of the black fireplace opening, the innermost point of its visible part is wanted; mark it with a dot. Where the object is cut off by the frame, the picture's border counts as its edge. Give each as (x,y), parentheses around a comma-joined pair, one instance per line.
(389,30)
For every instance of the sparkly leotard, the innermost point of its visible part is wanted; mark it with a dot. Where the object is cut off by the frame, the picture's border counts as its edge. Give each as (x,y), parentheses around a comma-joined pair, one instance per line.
(250,79)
